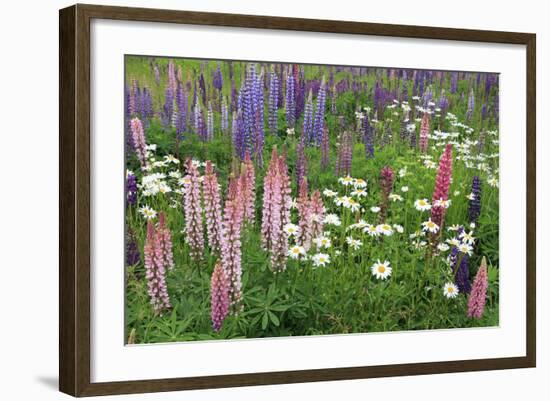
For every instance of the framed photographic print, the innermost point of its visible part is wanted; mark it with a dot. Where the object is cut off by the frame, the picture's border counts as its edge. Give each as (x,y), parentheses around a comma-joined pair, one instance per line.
(250,200)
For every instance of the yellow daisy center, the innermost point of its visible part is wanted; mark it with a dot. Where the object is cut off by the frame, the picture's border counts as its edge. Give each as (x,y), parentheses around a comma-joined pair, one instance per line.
(381,269)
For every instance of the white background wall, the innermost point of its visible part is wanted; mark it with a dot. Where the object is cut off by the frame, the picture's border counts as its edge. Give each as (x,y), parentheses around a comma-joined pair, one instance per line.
(29,184)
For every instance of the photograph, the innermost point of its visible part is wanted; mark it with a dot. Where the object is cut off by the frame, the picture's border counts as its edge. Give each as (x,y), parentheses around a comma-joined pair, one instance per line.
(267,199)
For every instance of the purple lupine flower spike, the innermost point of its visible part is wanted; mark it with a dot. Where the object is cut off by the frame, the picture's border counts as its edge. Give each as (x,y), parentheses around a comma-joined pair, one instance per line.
(474,207)
(290,105)
(273,102)
(319,119)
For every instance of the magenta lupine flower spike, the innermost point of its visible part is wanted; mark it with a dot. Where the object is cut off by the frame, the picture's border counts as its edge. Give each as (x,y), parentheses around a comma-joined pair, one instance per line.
(212,207)
(249,188)
(424,132)
(231,247)
(165,242)
(219,297)
(476,300)
(442,185)
(155,271)
(193,212)
(138,137)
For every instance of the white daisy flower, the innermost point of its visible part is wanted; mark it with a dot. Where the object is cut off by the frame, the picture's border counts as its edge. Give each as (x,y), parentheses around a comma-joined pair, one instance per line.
(171,159)
(454,227)
(430,226)
(430,164)
(296,251)
(371,230)
(404,188)
(346,180)
(381,270)
(450,290)
(422,204)
(329,193)
(148,212)
(320,259)
(291,229)
(353,243)
(359,192)
(332,219)
(465,248)
(360,183)
(467,237)
(493,181)
(352,205)
(443,247)
(322,242)
(342,200)
(375,209)
(385,229)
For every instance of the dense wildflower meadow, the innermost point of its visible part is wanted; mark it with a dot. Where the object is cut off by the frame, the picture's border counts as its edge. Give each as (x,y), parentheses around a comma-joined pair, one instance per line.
(267,199)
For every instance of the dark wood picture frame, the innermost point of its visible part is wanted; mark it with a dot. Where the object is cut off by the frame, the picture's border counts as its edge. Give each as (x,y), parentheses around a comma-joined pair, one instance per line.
(74,199)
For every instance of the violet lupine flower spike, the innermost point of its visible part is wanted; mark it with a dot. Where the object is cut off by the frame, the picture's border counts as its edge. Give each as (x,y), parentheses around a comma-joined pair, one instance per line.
(476,300)
(462,277)
(307,128)
(231,246)
(219,297)
(132,252)
(193,212)
(424,132)
(212,207)
(155,271)
(290,102)
(442,185)
(474,208)
(319,119)
(131,189)
(368,137)
(386,184)
(273,102)
(138,137)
